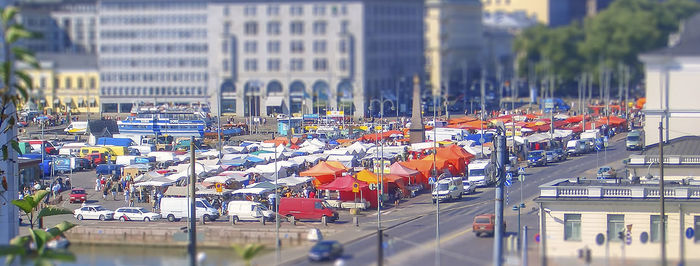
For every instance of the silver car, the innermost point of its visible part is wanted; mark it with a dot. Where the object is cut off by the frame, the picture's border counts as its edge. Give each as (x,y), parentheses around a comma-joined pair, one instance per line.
(469,187)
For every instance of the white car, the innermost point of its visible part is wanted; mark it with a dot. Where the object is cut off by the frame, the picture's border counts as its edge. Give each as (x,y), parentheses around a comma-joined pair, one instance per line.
(93,212)
(135,214)
(469,187)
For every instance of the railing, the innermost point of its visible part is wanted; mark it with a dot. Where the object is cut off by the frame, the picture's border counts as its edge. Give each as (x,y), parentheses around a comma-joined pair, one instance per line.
(654,192)
(617,192)
(695,193)
(572,192)
(672,159)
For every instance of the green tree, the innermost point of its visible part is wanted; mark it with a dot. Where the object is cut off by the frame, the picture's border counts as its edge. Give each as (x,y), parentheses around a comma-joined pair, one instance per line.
(617,35)
(29,204)
(248,252)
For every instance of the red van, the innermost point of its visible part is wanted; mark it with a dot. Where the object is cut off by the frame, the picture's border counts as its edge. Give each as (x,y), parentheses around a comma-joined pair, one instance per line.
(307,209)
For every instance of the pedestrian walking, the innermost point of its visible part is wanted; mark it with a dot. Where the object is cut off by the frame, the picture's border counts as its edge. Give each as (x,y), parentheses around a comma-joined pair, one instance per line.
(97,184)
(114,191)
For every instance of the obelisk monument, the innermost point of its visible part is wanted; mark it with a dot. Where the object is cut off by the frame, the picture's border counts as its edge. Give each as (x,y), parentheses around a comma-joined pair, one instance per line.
(417,128)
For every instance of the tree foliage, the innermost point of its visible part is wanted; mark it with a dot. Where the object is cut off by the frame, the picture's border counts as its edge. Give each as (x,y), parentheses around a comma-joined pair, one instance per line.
(617,35)
(249,251)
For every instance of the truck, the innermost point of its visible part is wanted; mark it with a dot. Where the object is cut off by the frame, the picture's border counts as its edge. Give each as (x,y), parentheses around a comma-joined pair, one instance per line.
(590,134)
(76,127)
(175,208)
(37,144)
(448,189)
(443,133)
(481,172)
(123,142)
(576,147)
(635,140)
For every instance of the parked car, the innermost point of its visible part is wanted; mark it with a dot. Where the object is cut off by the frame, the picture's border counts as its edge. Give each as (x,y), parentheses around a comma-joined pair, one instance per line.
(326,250)
(93,212)
(469,187)
(308,209)
(536,158)
(178,208)
(77,195)
(448,189)
(606,172)
(561,154)
(135,214)
(484,224)
(96,159)
(551,156)
(249,211)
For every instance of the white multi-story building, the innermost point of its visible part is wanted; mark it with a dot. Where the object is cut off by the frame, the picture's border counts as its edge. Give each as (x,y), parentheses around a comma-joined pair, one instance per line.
(152,51)
(302,57)
(64,26)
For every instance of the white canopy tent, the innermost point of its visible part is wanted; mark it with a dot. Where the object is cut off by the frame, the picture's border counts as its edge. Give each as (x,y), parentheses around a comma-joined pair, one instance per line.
(346,160)
(293,180)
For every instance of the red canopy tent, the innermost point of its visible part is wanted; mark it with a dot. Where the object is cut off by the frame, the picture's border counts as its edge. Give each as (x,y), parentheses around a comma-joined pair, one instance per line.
(400,170)
(344,185)
(322,173)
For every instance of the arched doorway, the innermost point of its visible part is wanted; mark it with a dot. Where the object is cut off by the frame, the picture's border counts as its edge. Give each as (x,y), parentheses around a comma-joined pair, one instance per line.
(296,96)
(251,98)
(228,97)
(321,95)
(275,100)
(344,98)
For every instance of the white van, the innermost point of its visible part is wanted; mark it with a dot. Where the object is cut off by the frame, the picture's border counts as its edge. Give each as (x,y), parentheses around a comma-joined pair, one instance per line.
(71,148)
(178,208)
(481,172)
(76,128)
(249,211)
(450,188)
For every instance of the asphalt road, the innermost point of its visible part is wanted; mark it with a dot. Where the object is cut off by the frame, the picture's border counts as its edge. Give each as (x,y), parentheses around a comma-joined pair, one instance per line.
(411,240)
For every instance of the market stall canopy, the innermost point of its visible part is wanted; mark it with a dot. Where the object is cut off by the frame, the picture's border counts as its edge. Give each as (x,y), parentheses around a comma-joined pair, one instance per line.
(323,173)
(345,160)
(256,191)
(357,148)
(293,180)
(398,169)
(219,179)
(234,149)
(147,176)
(343,183)
(153,184)
(337,164)
(266,185)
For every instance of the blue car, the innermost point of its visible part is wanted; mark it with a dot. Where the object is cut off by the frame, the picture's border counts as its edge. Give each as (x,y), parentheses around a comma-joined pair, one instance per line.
(326,250)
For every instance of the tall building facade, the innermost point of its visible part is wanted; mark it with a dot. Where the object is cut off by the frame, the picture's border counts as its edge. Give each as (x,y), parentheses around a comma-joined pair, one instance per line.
(303,57)
(244,58)
(64,26)
(152,51)
(454,42)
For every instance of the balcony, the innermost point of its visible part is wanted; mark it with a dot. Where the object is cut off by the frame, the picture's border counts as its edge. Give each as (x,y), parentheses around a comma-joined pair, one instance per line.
(600,189)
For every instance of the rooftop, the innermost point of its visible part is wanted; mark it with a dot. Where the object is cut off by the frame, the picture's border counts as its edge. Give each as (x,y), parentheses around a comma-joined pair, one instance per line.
(687,40)
(687,145)
(592,189)
(69,61)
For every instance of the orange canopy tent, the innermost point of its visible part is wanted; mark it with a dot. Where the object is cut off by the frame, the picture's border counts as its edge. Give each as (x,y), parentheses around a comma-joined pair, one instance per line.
(322,173)
(278,141)
(345,184)
(461,120)
(611,120)
(337,164)
(425,165)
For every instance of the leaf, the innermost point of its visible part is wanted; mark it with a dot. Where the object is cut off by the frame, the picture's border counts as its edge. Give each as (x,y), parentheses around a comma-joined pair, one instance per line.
(25,56)
(11,250)
(15,146)
(22,91)
(5,155)
(16,32)
(39,195)
(8,13)
(24,77)
(40,238)
(51,211)
(23,205)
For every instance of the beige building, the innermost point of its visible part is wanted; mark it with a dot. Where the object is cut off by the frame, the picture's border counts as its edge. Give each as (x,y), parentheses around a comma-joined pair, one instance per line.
(584,214)
(672,75)
(65,83)
(454,41)
(681,160)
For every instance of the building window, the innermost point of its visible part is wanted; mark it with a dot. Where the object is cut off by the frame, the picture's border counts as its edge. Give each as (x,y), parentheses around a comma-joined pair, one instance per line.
(296,64)
(320,27)
(296,27)
(296,46)
(42,82)
(655,234)
(251,28)
(273,28)
(296,10)
(320,64)
(319,46)
(225,64)
(616,224)
(93,83)
(344,26)
(80,83)
(572,227)
(343,64)
(273,47)
(343,46)
(273,10)
(56,83)
(227,27)
(319,10)
(273,65)
(249,10)
(251,65)
(68,84)
(224,46)
(251,47)
(226,11)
